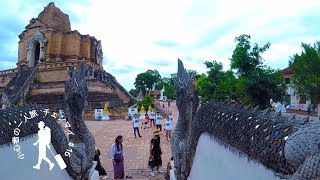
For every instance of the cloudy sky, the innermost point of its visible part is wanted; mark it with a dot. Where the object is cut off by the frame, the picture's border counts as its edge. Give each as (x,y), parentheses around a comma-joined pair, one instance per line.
(138,35)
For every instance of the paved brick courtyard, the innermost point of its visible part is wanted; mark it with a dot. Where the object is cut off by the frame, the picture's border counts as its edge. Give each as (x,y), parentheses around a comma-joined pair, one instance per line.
(136,149)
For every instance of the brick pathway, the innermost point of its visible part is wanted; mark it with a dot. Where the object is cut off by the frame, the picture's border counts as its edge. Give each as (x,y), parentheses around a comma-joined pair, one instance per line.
(136,149)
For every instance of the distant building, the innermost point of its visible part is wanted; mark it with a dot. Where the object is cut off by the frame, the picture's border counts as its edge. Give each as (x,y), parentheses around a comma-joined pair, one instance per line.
(158,94)
(155,94)
(295,102)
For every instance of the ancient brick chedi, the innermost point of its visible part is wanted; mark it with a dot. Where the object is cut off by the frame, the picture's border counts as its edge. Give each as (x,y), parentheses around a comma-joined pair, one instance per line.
(47,47)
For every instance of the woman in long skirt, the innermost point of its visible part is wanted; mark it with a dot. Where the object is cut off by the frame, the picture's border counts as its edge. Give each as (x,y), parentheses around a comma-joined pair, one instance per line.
(117,158)
(155,160)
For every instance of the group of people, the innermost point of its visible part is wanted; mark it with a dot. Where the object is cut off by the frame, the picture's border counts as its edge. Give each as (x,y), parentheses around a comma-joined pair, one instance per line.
(155,151)
(154,120)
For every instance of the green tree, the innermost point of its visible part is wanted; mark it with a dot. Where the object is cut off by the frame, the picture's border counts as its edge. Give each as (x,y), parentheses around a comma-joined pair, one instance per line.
(146,102)
(205,87)
(169,86)
(263,85)
(133,92)
(246,59)
(256,84)
(146,80)
(217,84)
(306,72)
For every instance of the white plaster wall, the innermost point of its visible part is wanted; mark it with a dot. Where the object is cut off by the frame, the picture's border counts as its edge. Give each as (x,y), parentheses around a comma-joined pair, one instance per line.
(12,168)
(213,161)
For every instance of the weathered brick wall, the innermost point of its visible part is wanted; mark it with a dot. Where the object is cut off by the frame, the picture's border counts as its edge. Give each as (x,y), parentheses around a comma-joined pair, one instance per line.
(48,90)
(85,47)
(122,96)
(54,48)
(98,86)
(53,75)
(64,46)
(55,18)
(62,43)
(6,76)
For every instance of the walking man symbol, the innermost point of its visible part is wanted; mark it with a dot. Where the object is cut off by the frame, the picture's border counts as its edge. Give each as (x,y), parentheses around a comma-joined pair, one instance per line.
(44,140)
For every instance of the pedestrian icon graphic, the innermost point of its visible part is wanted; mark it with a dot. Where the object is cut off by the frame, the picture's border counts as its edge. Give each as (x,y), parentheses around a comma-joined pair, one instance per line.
(44,140)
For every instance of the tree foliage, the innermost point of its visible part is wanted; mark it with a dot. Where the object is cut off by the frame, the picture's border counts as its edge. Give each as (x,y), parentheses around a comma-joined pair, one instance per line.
(146,80)
(246,59)
(256,84)
(146,102)
(133,92)
(217,84)
(152,78)
(306,72)
(263,85)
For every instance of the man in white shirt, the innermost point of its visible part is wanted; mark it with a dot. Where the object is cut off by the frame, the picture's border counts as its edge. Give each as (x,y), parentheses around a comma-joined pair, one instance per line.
(135,123)
(152,118)
(170,117)
(168,128)
(158,121)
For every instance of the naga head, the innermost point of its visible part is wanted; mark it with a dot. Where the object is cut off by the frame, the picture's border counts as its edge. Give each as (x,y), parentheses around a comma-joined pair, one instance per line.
(76,87)
(81,80)
(187,99)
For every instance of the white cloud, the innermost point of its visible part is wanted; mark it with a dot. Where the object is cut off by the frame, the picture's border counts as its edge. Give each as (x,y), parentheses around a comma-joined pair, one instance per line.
(197,30)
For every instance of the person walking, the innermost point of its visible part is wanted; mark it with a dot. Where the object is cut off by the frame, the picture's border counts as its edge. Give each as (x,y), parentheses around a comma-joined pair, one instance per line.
(158,121)
(99,168)
(170,117)
(152,119)
(135,123)
(168,129)
(117,153)
(155,161)
(147,118)
(309,109)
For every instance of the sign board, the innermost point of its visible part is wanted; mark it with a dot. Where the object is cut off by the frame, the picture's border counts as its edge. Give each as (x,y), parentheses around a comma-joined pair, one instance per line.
(98,114)
(132,112)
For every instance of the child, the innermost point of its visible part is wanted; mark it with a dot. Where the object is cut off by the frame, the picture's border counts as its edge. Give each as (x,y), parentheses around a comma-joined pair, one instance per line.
(147,118)
(170,117)
(168,128)
(167,175)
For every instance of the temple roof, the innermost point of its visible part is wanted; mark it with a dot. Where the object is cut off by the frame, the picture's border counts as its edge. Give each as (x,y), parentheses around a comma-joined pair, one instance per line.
(286,71)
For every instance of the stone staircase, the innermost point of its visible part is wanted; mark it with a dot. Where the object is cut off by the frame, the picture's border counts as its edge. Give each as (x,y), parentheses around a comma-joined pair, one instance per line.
(95,100)
(18,86)
(50,100)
